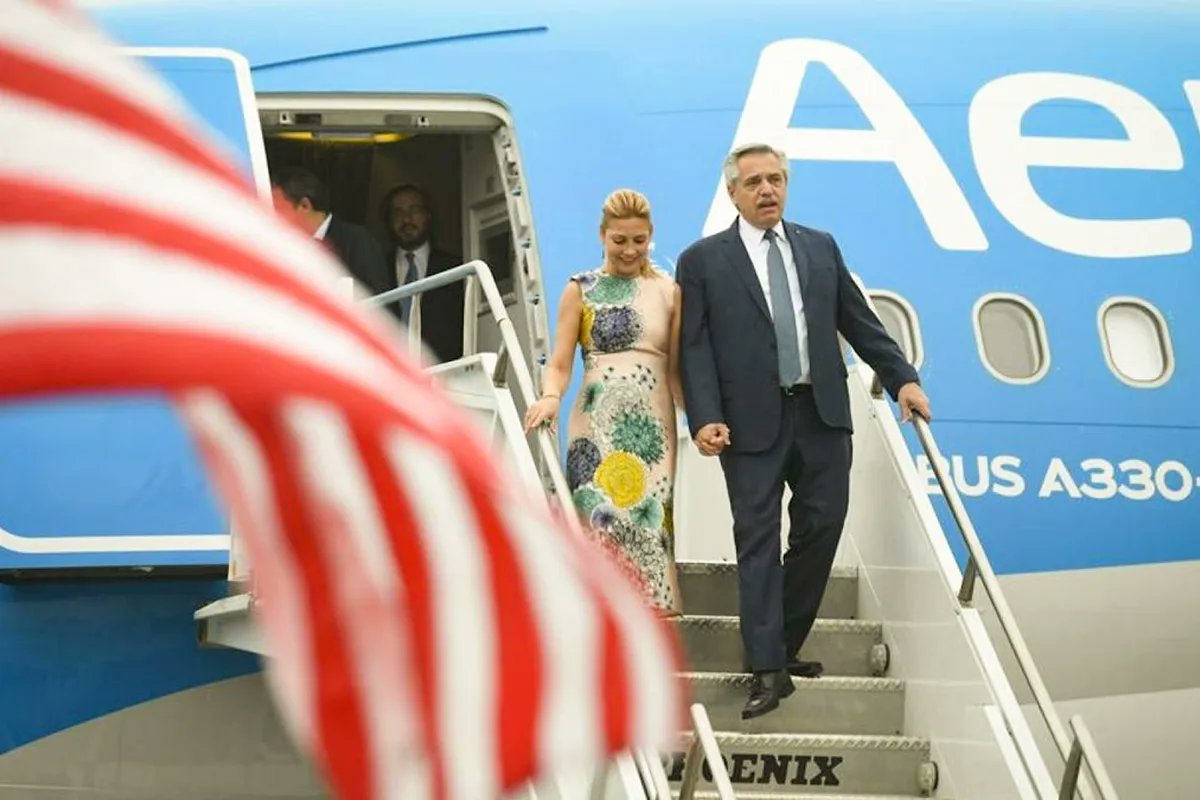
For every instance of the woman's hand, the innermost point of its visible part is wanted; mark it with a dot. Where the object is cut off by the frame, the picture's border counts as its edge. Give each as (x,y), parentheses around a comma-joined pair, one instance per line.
(542,412)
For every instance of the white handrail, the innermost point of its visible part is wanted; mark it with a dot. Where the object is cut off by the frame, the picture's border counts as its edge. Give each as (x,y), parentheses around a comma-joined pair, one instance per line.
(654,776)
(511,345)
(704,750)
(980,567)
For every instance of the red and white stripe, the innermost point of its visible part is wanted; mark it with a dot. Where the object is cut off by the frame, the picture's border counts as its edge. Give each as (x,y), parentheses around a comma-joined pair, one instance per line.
(434,634)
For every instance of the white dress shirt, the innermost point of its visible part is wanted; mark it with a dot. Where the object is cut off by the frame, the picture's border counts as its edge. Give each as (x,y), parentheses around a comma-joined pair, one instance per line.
(422,259)
(756,244)
(319,233)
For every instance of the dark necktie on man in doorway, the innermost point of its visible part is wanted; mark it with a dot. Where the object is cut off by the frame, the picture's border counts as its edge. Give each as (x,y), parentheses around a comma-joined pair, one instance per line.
(409,276)
(784,313)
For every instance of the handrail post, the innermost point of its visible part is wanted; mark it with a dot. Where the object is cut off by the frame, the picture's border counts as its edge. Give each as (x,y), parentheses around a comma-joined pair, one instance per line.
(691,771)
(500,373)
(704,742)
(1071,771)
(1091,756)
(966,592)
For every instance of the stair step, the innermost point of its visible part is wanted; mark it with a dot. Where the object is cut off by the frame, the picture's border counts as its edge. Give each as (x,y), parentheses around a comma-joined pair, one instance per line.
(710,588)
(816,764)
(826,705)
(707,794)
(825,795)
(843,646)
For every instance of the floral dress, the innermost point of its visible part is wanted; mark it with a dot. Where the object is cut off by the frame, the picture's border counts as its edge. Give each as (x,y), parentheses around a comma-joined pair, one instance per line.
(621,451)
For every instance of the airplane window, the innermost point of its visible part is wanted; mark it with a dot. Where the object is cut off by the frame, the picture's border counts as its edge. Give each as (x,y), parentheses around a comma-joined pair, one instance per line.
(1011,338)
(901,322)
(1137,344)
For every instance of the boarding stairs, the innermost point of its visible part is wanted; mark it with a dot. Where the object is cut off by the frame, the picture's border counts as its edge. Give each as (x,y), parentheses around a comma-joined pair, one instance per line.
(914,701)
(840,734)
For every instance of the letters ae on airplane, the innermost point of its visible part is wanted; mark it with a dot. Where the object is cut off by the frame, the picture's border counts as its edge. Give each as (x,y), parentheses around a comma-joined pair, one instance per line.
(1003,155)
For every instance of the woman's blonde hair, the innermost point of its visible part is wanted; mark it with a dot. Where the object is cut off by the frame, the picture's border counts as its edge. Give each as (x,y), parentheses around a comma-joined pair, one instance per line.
(627,204)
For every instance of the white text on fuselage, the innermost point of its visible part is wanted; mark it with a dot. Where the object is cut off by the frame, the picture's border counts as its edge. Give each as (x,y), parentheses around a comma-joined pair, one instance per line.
(1087,479)
(1003,155)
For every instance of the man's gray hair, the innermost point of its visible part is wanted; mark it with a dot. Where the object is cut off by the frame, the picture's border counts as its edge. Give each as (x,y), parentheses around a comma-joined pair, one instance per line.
(731,161)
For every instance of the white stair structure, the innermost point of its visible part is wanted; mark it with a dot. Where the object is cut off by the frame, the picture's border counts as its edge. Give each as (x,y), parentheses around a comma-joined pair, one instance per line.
(914,701)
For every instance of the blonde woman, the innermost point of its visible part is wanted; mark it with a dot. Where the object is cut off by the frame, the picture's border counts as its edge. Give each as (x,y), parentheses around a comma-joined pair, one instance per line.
(621,452)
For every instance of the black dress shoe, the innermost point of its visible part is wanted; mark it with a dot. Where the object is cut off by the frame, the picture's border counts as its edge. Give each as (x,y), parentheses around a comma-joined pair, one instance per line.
(766,690)
(805,669)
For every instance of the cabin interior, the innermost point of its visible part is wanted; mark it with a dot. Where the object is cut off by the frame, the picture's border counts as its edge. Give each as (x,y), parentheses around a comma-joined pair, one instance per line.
(454,154)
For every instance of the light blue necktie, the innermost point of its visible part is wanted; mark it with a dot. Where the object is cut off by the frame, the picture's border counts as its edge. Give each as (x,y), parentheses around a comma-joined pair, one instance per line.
(409,276)
(784,313)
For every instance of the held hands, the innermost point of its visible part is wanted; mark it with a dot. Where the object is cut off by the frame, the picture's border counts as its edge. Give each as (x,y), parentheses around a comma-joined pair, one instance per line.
(912,399)
(543,412)
(712,438)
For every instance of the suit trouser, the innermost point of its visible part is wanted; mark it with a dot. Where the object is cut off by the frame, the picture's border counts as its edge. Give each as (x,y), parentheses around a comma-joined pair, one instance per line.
(778,603)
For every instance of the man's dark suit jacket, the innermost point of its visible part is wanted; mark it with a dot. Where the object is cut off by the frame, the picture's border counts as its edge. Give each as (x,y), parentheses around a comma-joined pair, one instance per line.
(358,250)
(727,343)
(441,309)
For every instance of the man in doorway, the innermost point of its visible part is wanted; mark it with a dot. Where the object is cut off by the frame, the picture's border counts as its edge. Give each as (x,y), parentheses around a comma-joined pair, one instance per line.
(409,218)
(301,199)
(765,387)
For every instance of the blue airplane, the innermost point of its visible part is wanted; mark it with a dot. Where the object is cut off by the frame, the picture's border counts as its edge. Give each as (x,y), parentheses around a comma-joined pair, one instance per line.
(1014,183)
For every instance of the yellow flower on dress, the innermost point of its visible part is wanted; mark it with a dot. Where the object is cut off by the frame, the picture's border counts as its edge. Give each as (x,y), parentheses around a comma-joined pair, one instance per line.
(622,476)
(585,327)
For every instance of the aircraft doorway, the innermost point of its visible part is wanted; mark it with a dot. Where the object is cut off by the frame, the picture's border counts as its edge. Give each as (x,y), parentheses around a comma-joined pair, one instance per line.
(461,154)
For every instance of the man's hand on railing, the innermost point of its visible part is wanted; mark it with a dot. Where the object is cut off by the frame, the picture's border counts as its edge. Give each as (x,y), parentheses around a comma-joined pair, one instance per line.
(912,399)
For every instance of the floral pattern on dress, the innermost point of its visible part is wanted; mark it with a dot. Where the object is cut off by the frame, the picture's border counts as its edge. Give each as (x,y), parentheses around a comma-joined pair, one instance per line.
(622,476)
(621,455)
(641,556)
(612,290)
(640,434)
(583,457)
(587,498)
(615,329)
(603,517)
(648,513)
(591,395)
(586,322)
(620,398)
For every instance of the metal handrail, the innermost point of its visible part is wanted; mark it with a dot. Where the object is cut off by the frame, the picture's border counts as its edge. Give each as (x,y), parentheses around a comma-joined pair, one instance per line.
(658,776)
(980,568)
(1084,749)
(652,774)
(705,742)
(510,351)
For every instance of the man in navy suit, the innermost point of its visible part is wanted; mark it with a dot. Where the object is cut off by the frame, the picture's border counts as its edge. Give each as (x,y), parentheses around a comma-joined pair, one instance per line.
(301,199)
(765,386)
(409,217)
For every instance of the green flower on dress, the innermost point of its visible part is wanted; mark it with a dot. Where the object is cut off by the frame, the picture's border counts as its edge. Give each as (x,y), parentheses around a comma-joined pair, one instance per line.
(587,498)
(621,396)
(612,290)
(640,434)
(647,514)
(591,393)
